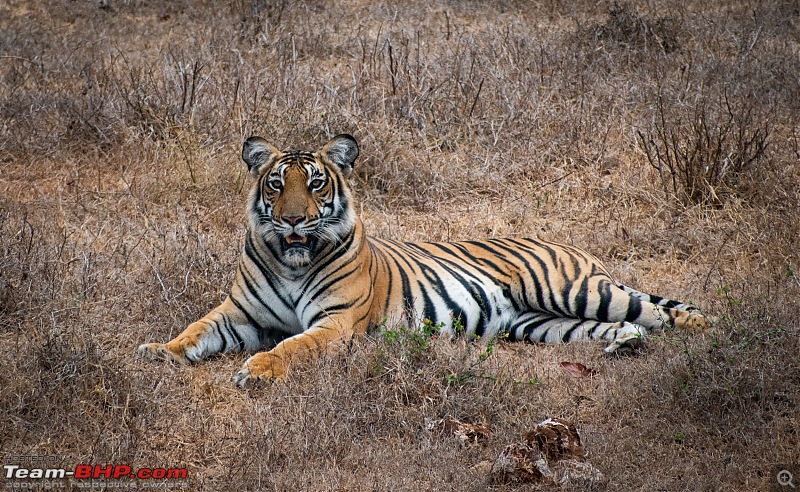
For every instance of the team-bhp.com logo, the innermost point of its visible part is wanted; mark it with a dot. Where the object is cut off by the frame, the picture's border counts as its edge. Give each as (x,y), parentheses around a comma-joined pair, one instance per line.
(29,476)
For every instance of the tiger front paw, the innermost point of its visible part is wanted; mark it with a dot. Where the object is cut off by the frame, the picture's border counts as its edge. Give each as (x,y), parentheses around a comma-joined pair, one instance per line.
(261,367)
(161,351)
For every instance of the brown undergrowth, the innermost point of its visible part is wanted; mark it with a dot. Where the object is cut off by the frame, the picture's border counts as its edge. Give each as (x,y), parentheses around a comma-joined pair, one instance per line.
(663,139)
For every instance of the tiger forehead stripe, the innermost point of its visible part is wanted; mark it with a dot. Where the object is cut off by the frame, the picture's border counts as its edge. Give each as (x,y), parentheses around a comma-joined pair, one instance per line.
(304,160)
(298,156)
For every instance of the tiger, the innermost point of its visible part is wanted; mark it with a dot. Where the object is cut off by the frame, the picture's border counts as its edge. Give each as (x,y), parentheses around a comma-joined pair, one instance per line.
(310,278)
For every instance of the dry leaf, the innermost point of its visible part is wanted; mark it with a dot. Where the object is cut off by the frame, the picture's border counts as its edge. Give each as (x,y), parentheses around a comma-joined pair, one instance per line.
(577,370)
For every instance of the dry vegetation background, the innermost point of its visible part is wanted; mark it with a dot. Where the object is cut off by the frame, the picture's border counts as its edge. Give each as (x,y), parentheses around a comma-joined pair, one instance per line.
(662,138)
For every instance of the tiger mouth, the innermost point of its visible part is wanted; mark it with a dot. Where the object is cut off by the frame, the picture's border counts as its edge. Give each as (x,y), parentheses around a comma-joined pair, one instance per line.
(294,239)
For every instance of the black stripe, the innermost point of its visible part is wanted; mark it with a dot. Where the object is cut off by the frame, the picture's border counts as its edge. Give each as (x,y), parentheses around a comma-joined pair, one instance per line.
(320,289)
(508,295)
(234,334)
(555,308)
(402,252)
(566,297)
(634,308)
(477,293)
(484,261)
(274,283)
(336,253)
(490,260)
(429,310)
(457,268)
(328,311)
(253,291)
(537,286)
(218,329)
(381,257)
(590,333)
(250,320)
(408,294)
(568,333)
(582,299)
(604,291)
(532,326)
(454,308)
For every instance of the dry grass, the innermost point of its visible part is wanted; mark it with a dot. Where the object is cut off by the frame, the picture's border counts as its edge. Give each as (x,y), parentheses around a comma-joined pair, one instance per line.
(121,199)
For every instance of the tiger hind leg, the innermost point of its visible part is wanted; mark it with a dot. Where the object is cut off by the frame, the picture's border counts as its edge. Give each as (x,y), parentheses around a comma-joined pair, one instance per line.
(658,312)
(540,327)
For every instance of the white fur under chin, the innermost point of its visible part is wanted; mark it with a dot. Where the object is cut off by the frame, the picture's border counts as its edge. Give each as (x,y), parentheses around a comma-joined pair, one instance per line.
(297,257)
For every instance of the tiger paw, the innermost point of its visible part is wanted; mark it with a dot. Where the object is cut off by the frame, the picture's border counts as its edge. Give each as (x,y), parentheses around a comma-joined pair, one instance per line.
(260,367)
(629,338)
(697,323)
(160,351)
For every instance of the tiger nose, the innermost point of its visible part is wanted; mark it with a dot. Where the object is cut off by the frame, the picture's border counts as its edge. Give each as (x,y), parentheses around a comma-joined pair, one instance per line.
(293,219)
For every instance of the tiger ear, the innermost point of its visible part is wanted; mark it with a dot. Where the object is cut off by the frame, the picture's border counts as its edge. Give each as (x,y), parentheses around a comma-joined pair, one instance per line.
(342,150)
(257,153)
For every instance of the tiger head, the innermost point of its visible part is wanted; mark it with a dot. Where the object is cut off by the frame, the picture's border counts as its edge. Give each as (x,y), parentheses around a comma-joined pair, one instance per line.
(301,202)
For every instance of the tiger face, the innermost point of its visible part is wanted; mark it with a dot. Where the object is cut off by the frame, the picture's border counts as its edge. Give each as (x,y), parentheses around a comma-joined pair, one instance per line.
(300,202)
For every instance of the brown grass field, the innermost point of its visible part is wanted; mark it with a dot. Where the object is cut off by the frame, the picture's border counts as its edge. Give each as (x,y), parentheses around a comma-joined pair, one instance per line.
(664,139)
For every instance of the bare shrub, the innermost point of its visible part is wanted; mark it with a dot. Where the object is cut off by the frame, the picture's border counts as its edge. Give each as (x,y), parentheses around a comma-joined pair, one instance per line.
(626,27)
(703,154)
